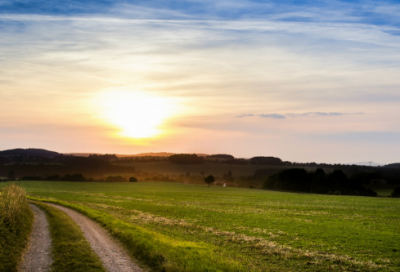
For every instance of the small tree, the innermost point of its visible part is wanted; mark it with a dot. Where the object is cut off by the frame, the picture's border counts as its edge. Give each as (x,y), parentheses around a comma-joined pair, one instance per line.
(210,179)
(133,179)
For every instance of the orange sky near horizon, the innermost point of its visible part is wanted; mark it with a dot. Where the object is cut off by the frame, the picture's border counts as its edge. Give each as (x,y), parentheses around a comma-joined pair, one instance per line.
(251,88)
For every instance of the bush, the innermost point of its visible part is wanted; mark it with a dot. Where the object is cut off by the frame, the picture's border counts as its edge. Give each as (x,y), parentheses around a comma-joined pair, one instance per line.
(337,193)
(210,179)
(396,192)
(133,179)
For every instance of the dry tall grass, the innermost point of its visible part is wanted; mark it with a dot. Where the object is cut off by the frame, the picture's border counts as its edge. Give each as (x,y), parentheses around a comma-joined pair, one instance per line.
(16,220)
(13,204)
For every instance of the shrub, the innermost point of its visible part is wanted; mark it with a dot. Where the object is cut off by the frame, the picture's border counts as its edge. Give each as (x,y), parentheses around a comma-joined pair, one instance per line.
(337,193)
(133,179)
(210,179)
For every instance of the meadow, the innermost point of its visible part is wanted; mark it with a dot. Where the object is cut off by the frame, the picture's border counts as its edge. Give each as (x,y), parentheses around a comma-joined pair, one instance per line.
(182,227)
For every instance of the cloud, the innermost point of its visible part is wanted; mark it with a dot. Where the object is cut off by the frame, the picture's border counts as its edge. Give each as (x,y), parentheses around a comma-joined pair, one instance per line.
(245,115)
(294,115)
(274,116)
(311,114)
(293,59)
(371,12)
(393,32)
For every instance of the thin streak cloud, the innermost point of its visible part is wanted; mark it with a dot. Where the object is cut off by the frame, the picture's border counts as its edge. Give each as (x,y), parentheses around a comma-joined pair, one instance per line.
(294,115)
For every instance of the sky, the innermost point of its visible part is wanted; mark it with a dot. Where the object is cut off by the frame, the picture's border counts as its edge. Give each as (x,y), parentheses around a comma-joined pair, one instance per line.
(306,81)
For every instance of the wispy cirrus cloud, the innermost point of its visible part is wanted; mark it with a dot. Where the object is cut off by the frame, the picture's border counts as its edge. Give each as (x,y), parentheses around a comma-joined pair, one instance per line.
(293,115)
(311,114)
(220,57)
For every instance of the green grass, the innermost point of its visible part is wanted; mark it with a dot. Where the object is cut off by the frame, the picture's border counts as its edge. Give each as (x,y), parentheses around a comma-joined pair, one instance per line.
(16,220)
(70,250)
(177,227)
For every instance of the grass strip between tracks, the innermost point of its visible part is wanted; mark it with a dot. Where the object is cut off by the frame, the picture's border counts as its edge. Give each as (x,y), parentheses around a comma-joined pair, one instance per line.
(16,219)
(157,251)
(70,250)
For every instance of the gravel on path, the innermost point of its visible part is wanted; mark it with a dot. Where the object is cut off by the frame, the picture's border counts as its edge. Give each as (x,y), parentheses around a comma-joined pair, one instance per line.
(37,255)
(113,256)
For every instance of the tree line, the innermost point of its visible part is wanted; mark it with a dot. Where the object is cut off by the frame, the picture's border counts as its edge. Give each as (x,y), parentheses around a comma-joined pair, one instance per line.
(299,180)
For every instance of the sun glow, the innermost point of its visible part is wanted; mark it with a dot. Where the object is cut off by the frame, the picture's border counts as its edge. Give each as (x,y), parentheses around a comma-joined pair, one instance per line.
(137,114)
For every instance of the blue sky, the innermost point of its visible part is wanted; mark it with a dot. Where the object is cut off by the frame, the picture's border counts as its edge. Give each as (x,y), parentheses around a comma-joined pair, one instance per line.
(369,12)
(310,80)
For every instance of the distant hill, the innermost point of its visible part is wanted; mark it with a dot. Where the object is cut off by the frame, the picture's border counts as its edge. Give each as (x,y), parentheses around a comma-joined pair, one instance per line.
(148,154)
(153,154)
(368,164)
(157,154)
(31,152)
(82,154)
(393,165)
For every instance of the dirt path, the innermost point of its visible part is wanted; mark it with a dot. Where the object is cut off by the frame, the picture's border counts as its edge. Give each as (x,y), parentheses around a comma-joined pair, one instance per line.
(113,256)
(37,255)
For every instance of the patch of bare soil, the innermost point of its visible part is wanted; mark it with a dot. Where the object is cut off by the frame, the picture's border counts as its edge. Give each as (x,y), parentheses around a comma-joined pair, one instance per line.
(37,255)
(113,256)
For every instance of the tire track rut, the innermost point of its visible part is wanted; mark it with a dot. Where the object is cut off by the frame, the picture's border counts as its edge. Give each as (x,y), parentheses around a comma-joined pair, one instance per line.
(37,255)
(113,256)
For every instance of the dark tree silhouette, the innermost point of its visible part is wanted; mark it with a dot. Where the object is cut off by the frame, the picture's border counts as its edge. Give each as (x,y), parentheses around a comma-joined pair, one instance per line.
(299,180)
(266,161)
(133,179)
(221,156)
(210,179)
(186,159)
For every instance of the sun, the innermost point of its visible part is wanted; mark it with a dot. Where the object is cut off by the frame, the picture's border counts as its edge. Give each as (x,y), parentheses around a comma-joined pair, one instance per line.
(137,114)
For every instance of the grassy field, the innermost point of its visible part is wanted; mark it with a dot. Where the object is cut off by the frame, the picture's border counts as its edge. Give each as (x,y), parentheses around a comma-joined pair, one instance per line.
(16,220)
(178,227)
